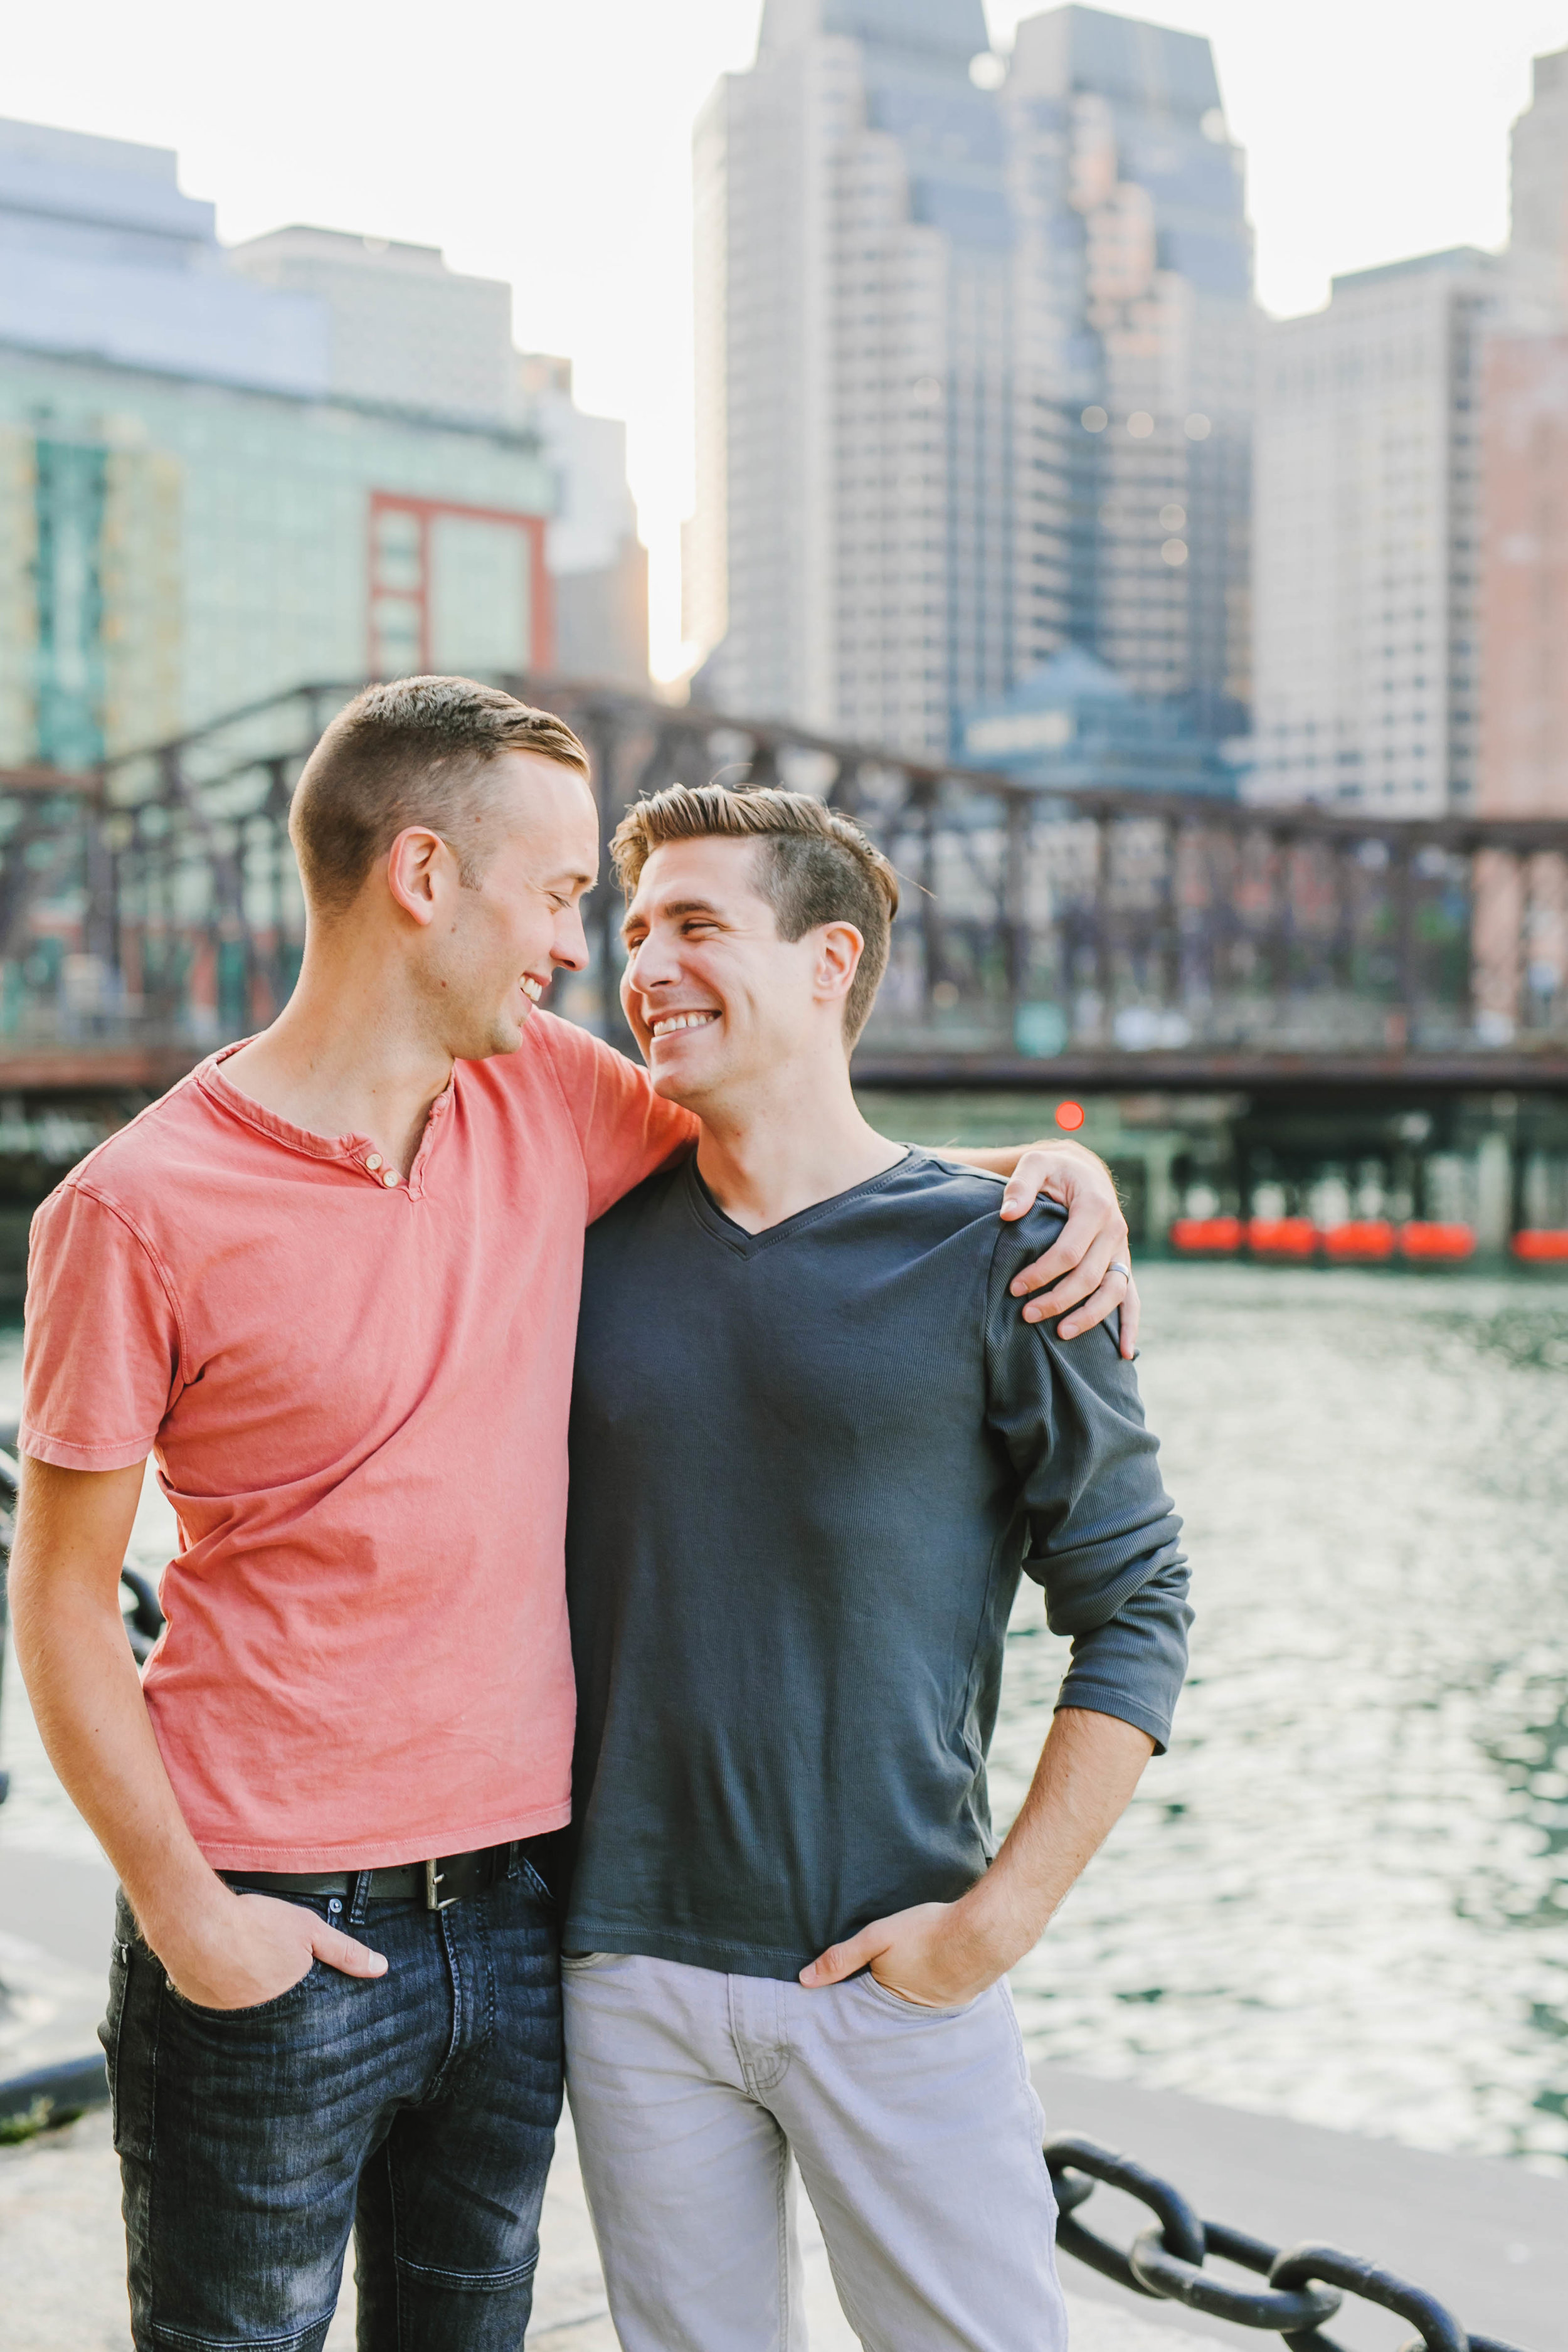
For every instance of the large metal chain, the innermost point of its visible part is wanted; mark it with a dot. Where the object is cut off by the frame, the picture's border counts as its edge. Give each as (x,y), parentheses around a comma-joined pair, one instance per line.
(1305,2283)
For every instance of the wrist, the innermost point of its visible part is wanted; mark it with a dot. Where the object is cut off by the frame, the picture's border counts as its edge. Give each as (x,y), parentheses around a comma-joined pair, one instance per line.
(182,1922)
(997,1928)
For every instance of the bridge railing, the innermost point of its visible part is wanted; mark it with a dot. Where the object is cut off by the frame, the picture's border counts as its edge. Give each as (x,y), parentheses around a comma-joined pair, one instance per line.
(1134,933)
(154,904)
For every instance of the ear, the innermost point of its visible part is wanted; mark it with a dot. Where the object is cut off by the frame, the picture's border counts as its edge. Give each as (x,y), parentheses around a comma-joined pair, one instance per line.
(415,869)
(839,947)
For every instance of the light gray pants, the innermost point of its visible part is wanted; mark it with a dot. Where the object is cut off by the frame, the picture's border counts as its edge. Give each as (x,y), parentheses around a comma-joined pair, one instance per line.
(917,2133)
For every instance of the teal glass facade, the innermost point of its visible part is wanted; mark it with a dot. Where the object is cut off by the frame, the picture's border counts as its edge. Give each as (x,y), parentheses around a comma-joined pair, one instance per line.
(173,549)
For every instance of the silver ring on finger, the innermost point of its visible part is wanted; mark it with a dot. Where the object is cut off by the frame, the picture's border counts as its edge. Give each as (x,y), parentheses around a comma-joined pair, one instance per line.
(1116,1266)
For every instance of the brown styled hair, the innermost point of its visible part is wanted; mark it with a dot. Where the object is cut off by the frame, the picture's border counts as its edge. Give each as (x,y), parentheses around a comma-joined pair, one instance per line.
(814,867)
(412,752)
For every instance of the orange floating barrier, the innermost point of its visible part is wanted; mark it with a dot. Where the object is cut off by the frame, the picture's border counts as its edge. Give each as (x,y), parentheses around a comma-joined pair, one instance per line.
(1294,1237)
(1542,1246)
(1207,1237)
(1435,1243)
(1360,1241)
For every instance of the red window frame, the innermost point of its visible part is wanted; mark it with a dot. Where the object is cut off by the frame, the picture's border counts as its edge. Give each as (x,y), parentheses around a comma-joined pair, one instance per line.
(541,598)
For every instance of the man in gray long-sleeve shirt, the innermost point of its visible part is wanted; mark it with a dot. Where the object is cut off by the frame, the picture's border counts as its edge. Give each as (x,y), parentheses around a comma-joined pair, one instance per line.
(813,1447)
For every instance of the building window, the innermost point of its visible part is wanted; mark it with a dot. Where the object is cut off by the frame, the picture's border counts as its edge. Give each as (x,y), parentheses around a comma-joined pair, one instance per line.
(455,589)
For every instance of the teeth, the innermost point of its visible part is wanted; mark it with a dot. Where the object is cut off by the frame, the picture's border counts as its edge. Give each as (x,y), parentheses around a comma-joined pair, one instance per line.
(534,988)
(673,1021)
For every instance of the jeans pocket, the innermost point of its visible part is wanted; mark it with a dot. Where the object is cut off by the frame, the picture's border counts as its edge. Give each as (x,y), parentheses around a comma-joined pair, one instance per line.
(256,2012)
(129,2036)
(533,1879)
(113,2026)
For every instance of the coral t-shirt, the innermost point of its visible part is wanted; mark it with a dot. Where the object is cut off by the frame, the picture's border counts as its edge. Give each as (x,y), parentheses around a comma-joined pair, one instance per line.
(356,1396)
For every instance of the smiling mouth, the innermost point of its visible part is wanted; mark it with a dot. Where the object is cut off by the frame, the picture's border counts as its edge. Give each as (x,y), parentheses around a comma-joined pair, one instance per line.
(668,1022)
(531,988)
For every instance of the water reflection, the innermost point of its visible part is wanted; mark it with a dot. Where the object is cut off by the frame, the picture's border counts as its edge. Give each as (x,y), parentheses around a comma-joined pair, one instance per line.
(1344,1894)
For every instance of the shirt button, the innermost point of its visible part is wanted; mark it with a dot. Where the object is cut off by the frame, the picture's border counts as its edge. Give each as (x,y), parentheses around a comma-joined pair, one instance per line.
(373,1161)
(390,1176)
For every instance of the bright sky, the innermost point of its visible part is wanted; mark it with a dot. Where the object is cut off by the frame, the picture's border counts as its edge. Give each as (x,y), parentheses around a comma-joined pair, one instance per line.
(549,144)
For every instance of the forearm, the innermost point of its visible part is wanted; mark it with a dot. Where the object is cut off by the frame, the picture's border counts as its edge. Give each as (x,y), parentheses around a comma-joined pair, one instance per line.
(1002,1158)
(1089,1768)
(87,1698)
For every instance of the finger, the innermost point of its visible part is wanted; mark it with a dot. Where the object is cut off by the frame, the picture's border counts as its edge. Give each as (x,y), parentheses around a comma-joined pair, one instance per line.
(342,1953)
(1080,1281)
(841,1960)
(1095,1309)
(1087,1228)
(1132,1311)
(1036,1172)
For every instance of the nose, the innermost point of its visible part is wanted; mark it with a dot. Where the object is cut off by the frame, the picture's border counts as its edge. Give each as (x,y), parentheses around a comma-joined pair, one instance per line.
(652,963)
(569,947)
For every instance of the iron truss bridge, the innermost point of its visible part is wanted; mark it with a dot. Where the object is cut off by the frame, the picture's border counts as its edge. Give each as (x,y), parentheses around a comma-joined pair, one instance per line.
(1079,941)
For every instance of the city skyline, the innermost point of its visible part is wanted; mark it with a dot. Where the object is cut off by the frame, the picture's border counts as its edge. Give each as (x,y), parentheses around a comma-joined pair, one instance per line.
(909,495)
(1419,102)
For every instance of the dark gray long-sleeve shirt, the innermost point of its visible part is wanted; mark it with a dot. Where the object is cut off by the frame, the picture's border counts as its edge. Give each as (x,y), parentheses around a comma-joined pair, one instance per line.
(807,1467)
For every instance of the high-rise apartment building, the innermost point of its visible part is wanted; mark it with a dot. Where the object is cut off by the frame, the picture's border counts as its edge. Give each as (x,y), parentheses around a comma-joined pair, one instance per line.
(973,367)
(1366,541)
(1524,601)
(1538,240)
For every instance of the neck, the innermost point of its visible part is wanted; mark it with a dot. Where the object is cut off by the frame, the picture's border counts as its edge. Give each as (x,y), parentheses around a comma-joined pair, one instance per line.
(800,1140)
(351,1053)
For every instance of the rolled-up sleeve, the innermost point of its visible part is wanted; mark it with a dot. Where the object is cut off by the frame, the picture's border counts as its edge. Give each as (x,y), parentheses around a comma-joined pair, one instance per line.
(1102,1538)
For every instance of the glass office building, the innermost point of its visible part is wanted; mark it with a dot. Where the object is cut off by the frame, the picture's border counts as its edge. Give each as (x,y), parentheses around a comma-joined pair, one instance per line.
(194,513)
(169,551)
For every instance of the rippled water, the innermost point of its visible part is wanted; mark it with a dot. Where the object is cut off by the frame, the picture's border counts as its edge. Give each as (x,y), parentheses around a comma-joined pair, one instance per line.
(1344,1895)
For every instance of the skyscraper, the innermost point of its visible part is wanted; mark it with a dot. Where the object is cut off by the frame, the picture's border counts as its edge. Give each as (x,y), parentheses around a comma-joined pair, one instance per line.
(1538,240)
(1366,529)
(1524,740)
(973,367)
(1135,351)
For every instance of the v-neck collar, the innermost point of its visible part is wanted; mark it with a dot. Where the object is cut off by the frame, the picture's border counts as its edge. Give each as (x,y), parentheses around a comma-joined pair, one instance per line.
(724,1229)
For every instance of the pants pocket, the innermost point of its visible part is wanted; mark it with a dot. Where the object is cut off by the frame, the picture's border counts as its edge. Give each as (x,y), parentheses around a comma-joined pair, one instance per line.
(917,2008)
(129,2037)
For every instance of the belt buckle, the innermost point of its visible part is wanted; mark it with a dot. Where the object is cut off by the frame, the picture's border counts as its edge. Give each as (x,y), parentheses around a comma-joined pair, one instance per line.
(433,1900)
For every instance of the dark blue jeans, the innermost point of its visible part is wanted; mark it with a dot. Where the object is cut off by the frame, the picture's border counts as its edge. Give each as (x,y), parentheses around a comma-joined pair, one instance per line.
(417,2109)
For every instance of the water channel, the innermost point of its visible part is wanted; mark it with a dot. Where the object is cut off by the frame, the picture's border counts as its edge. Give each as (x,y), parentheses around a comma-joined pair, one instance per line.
(1344,1895)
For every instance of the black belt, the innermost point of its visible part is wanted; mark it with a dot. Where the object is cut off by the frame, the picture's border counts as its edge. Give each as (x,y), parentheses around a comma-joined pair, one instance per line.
(447,1880)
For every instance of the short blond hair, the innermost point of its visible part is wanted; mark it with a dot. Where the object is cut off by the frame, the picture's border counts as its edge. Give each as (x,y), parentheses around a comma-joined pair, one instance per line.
(412,752)
(814,867)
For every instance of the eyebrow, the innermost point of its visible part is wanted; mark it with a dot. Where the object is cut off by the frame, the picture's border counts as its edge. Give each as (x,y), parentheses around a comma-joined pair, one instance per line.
(675,907)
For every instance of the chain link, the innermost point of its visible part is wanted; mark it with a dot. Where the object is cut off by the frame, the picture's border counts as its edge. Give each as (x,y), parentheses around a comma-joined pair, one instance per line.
(1305,2284)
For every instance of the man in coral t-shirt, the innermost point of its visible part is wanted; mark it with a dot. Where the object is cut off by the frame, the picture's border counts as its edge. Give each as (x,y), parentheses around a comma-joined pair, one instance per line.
(331,1283)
